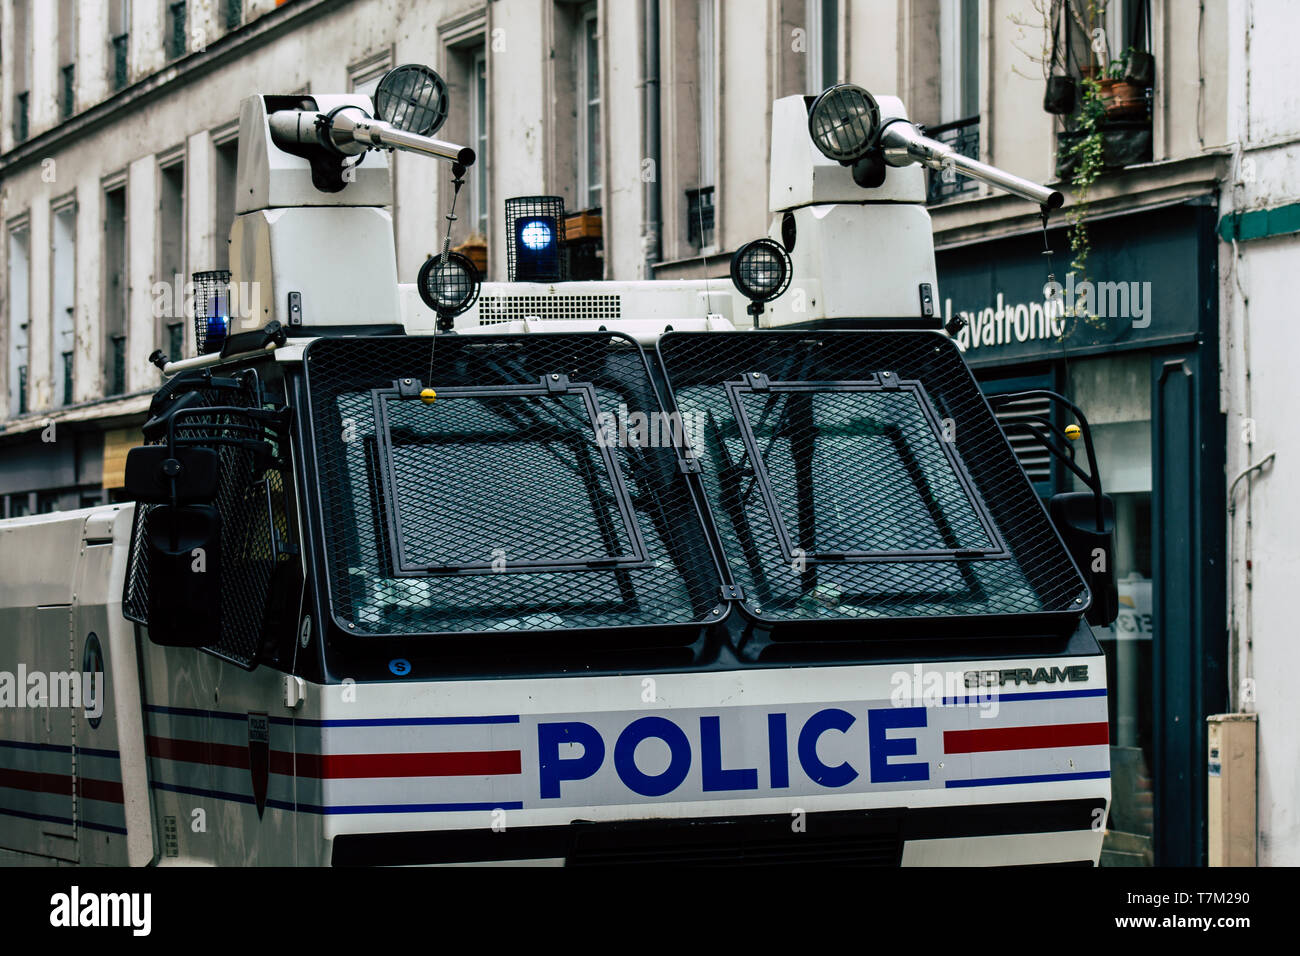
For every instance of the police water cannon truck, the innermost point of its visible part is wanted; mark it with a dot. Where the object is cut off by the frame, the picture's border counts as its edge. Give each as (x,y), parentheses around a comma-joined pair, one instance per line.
(568,572)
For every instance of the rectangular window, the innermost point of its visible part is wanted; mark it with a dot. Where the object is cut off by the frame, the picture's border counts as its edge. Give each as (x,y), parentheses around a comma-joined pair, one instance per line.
(115,291)
(67,58)
(589,130)
(119,29)
(227,157)
(19,318)
(176,40)
(708,93)
(823,26)
(171,250)
(234,14)
(64,303)
(959,91)
(478,140)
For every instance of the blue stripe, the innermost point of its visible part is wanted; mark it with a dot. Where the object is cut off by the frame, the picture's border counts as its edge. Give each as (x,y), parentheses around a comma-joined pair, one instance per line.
(409,721)
(23,745)
(192,712)
(1047,695)
(42,817)
(372,808)
(102,826)
(346,722)
(93,752)
(1036,778)
(199,792)
(47,818)
(424,807)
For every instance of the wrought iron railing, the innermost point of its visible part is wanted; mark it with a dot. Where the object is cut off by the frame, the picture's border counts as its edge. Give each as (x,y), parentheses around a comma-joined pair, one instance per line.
(964,137)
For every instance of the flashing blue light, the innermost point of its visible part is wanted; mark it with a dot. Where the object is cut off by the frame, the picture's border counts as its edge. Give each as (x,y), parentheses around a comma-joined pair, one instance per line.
(536,234)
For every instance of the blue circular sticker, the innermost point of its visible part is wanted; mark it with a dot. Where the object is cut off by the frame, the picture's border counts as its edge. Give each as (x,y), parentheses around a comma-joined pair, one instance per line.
(400,666)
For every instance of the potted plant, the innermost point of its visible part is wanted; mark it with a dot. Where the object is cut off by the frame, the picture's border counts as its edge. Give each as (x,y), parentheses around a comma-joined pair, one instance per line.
(1121,97)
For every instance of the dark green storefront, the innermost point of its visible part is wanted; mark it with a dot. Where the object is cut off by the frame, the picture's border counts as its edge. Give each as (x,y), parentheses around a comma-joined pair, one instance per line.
(1145,372)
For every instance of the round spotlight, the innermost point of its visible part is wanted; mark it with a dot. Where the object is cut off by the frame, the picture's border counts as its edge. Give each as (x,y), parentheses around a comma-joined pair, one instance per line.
(761,271)
(843,123)
(448,287)
(536,234)
(412,98)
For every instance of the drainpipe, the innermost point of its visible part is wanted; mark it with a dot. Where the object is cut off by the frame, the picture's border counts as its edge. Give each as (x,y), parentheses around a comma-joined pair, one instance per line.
(652,222)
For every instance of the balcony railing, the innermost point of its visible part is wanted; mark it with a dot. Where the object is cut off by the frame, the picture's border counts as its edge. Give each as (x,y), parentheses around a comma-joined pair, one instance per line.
(121,59)
(699,216)
(964,137)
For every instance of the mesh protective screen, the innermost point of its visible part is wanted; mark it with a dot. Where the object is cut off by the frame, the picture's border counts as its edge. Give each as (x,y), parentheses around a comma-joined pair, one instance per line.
(539,491)
(860,475)
(251,501)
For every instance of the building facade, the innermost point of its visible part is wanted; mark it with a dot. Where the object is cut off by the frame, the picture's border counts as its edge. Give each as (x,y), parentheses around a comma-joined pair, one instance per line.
(117,166)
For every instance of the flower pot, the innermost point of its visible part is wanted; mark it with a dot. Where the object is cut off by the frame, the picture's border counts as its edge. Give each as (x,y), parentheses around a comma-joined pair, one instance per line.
(1125,143)
(1123,100)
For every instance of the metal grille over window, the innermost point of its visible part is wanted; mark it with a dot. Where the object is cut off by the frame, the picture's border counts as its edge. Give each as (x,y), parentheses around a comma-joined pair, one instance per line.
(256,537)
(964,137)
(1033,457)
(504,484)
(860,475)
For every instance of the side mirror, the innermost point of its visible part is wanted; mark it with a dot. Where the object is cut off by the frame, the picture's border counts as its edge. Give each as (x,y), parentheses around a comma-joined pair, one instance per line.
(1087,525)
(1085,519)
(184,543)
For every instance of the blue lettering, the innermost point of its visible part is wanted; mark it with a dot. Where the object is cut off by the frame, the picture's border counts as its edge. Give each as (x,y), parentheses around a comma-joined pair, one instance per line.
(830,719)
(551,769)
(882,747)
(715,778)
(679,763)
(778,750)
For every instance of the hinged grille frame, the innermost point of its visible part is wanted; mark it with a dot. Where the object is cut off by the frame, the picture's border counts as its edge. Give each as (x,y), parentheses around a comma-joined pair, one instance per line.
(886,384)
(548,386)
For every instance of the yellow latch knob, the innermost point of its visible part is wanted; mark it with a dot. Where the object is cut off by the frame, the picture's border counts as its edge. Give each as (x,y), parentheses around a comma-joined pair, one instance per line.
(428,395)
(1072,432)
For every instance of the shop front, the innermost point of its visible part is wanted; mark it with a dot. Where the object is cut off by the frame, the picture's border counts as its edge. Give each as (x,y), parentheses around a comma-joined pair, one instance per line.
(1137,351)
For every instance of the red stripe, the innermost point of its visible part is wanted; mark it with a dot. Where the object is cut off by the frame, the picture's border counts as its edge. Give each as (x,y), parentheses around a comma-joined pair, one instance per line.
(472,763)
(1025,738)
(108,791)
